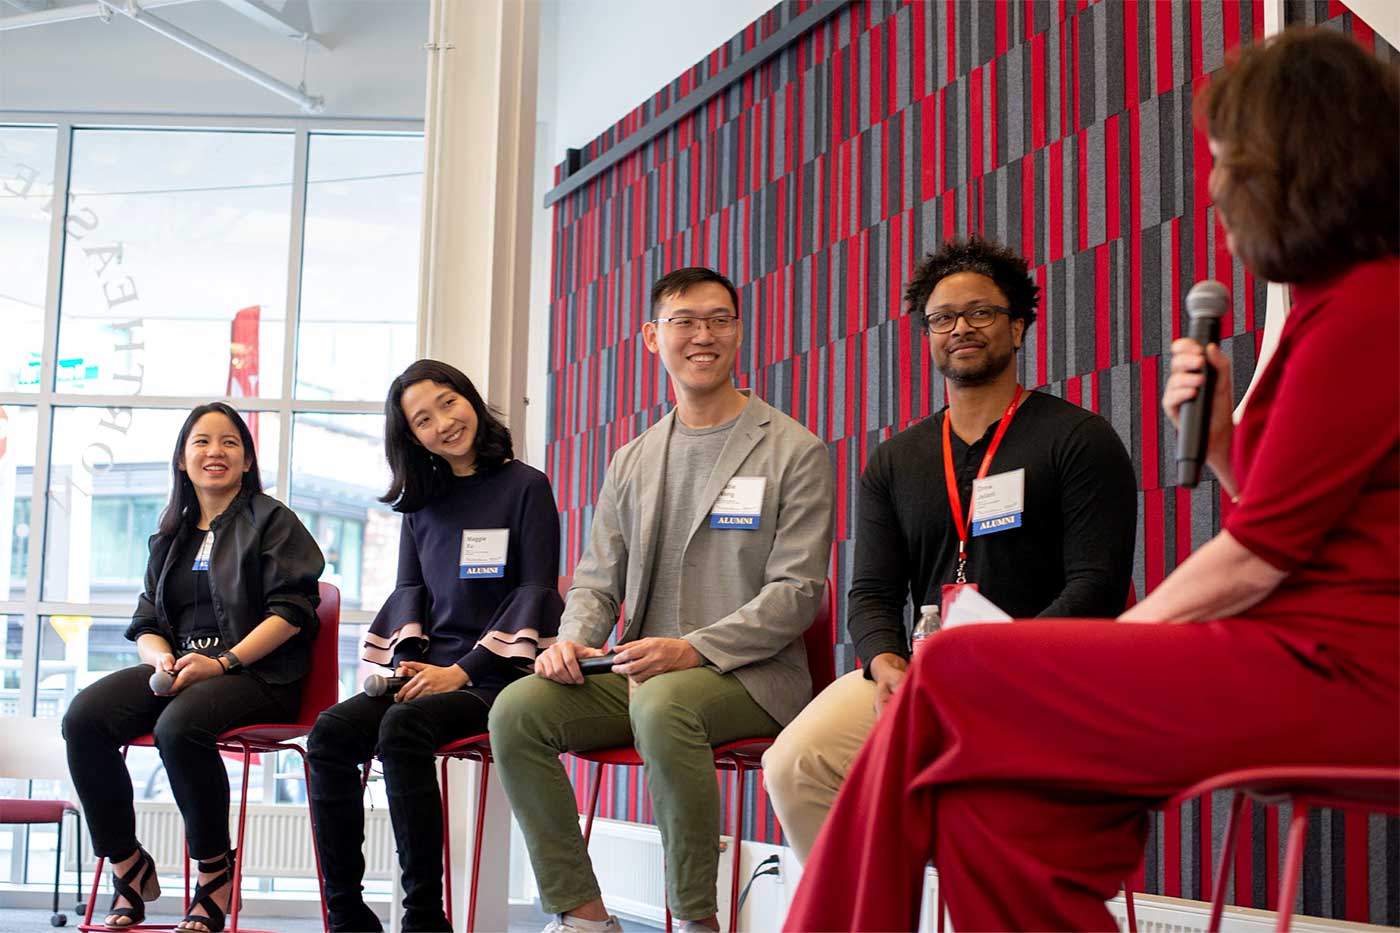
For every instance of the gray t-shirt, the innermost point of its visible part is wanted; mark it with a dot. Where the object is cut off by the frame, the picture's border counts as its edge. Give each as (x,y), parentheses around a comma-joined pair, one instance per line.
(691,455)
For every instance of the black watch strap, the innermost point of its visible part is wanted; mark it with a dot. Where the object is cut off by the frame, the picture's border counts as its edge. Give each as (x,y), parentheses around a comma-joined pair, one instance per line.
(231,662)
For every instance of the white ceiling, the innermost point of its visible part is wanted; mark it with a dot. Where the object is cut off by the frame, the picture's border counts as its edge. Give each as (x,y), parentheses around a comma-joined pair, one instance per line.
(368,62)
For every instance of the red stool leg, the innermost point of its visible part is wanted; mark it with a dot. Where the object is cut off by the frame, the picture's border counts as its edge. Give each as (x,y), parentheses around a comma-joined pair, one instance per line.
(1132,913)
(1227,862)
(92,897)
(938,905)
(315,852)
(235,894)
(446,841)
(1292,863)
(480,834)
(592,802)
(739,775)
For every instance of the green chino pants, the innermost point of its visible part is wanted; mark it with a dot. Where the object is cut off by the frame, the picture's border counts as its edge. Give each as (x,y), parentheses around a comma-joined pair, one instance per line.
(673,720)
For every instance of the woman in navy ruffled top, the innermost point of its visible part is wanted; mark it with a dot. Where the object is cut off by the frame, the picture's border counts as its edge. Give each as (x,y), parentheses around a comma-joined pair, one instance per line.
(476,598)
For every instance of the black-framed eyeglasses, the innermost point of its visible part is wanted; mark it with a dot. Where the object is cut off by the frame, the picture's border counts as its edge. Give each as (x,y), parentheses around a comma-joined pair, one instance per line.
(721,325)
(943,322)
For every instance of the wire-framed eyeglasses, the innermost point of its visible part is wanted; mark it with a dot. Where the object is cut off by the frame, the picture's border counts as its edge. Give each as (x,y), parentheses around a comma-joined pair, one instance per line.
(721,325)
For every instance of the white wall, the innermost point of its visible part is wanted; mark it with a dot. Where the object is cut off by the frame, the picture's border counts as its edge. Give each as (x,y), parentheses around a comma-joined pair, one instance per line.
(599,59)
(375,66)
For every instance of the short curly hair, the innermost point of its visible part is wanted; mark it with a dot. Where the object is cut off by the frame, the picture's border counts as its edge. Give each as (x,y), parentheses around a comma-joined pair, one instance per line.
(998,263)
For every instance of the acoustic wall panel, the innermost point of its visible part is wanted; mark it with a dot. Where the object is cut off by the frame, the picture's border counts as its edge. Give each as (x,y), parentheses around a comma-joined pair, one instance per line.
(817,181)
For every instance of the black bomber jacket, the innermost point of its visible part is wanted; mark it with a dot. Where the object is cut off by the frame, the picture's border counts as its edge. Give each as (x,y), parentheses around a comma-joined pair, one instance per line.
(264,562)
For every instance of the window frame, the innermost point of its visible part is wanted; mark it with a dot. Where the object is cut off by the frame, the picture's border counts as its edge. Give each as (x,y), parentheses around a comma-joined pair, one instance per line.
(31,608)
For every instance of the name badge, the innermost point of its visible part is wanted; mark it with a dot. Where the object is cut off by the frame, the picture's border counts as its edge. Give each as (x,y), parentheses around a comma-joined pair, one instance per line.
(483,553)
(206,547)
(740,505)
(997,502)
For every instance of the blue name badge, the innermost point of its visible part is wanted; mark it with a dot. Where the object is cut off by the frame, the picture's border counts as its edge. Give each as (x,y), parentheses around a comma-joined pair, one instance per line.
(989,526)
(740,505)
(483,553)
(998,502)
(206,547)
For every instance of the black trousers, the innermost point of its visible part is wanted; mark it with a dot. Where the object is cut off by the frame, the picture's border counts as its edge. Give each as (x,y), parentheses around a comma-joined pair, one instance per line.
(404,736)
(120,707)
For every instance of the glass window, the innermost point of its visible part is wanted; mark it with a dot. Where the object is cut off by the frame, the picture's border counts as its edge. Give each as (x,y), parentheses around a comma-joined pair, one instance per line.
(359,280)
(17,446)
(109,479)
(26,206)
(9,668)
(175,263)
(338,475)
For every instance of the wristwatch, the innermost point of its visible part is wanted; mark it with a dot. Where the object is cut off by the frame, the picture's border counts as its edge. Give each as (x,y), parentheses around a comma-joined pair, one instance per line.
(231,663)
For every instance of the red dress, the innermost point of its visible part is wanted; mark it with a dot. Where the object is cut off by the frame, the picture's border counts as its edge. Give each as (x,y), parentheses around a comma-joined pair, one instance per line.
(1023,758)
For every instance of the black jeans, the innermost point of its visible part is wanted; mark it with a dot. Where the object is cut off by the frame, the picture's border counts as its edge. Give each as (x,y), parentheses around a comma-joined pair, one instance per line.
(404,736)
(120,707)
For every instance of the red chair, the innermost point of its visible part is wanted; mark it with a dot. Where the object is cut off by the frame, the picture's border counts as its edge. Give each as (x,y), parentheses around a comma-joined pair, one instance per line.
(1304,786)
(742,756)
(38,812)
(321,691)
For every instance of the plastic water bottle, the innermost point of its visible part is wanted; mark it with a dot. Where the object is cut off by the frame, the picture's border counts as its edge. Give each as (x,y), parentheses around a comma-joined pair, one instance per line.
(929,623)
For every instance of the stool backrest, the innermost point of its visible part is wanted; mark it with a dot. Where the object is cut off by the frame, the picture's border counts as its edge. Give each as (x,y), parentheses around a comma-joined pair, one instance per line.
(322,689)
(820,642)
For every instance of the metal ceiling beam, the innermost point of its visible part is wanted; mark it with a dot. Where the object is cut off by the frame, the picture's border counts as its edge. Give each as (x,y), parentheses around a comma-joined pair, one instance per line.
(279,23)
(67,14)
(29,6)
(305,101)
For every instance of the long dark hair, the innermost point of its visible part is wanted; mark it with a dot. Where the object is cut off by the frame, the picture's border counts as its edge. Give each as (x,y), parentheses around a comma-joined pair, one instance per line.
(420,476)
(183,505)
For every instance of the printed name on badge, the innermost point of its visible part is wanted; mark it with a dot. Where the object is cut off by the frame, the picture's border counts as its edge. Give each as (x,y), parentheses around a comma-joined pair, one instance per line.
(997,502)
(483,553)
(740,505)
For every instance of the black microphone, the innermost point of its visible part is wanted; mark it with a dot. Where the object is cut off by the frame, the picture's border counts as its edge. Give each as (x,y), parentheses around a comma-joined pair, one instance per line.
(1206,303)
(377,685)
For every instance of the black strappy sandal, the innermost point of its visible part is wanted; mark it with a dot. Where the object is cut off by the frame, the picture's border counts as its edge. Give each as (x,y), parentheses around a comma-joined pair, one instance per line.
(213,917)
(137,886)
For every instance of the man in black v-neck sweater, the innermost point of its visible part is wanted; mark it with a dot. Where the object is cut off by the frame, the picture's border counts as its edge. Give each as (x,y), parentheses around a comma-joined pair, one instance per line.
(1069,554)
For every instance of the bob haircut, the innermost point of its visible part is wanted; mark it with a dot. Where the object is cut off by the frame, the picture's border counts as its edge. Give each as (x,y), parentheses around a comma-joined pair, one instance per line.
(183,506)
(1306,132)
(420,476)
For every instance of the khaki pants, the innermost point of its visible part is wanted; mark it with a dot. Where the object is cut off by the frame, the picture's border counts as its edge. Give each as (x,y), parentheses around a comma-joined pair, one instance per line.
(804,769)
(673,720)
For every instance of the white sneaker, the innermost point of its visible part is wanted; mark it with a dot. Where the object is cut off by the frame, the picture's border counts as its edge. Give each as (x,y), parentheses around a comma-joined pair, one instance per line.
(563,923)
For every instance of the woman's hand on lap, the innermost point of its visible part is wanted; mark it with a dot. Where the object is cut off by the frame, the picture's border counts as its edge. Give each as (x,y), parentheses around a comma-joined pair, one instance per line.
(192,668)
(429,679)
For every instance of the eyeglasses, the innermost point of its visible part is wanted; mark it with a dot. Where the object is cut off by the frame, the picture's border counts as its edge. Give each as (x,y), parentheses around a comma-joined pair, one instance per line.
(721,325)
(943,322)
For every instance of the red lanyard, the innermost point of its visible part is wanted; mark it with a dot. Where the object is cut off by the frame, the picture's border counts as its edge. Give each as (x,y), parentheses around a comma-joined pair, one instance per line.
(955,500)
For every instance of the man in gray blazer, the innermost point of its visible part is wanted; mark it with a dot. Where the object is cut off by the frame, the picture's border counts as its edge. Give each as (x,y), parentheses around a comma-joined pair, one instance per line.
(713,530)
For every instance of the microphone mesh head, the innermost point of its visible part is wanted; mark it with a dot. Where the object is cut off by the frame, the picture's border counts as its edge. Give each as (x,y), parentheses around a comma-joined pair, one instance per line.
(1208,299)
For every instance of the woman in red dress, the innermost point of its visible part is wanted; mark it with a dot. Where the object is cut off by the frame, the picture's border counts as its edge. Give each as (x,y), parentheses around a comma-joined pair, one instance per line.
(1023,759)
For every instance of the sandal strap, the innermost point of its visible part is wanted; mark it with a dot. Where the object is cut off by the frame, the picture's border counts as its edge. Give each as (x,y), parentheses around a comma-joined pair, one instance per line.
(214,916)
(130,886)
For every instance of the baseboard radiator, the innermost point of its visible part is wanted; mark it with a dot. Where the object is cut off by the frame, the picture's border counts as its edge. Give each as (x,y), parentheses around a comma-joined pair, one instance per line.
(277,841)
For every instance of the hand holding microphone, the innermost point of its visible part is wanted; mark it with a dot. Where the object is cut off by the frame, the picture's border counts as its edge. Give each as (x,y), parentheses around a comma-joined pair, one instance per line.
(164,677)
(1197,397)
(377,685)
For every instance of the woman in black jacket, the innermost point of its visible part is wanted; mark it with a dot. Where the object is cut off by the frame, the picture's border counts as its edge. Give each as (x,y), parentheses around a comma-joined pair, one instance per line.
(227,618)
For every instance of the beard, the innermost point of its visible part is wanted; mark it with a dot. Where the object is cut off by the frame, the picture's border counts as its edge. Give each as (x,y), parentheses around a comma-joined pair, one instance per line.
(975,372)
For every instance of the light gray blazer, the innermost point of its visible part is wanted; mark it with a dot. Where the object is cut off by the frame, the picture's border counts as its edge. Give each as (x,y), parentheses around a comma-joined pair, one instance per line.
(746,595)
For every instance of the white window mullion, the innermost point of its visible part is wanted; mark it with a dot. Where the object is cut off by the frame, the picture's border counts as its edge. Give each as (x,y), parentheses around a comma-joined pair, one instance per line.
(295,243)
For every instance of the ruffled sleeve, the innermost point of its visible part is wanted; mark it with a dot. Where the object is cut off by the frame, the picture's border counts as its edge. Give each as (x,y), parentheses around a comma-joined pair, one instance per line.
(526,623)
(399,630)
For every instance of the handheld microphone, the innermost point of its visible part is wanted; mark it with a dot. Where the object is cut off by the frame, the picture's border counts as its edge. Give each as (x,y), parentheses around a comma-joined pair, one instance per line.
(377,685)
(162,681)
(1206,303)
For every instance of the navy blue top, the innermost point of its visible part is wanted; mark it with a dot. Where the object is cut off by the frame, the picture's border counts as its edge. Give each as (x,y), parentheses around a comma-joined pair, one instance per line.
(491,627)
